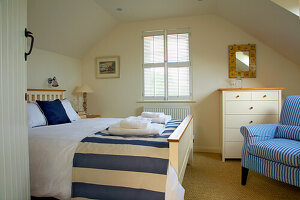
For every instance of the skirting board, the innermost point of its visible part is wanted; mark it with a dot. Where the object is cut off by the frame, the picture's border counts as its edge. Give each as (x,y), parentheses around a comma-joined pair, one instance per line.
(207,149)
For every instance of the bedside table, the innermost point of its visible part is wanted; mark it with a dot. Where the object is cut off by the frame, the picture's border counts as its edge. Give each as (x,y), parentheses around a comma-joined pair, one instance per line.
(83,115)
(93,116)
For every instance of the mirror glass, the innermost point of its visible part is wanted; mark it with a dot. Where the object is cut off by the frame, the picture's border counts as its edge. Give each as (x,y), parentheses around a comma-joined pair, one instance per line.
(242,61)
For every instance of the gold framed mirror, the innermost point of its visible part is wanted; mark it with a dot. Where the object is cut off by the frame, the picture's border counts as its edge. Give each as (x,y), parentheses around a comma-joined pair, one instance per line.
(242,61)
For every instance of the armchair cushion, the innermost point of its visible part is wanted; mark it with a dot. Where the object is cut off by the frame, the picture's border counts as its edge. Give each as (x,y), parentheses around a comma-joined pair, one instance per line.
(288,132)
(280,150)
(290,113)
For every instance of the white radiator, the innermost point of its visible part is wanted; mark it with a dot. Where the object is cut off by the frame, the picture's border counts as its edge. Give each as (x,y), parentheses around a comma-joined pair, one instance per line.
(178,112)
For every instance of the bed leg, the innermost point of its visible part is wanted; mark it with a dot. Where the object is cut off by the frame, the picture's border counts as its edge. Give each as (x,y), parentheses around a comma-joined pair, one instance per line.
(244,175)
(190,160)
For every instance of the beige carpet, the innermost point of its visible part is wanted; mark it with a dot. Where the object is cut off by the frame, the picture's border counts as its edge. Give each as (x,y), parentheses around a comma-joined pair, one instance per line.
(209,178)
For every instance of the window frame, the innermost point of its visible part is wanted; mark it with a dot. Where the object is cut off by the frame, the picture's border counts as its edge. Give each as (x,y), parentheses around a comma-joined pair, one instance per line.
(167,65)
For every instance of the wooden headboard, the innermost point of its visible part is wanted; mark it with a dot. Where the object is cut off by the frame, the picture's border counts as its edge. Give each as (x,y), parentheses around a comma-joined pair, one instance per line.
(44,94)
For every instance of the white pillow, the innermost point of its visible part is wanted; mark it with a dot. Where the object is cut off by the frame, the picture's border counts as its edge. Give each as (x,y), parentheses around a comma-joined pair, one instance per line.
(35,117)
(73,116)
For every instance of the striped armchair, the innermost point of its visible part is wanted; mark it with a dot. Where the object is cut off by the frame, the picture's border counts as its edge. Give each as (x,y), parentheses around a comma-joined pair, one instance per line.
(274,149)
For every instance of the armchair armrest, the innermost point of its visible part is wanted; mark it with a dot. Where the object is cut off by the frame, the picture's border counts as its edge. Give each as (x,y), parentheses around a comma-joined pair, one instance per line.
(258,132)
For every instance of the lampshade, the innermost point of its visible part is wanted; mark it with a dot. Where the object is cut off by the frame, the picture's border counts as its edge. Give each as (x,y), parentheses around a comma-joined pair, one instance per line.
(84,88)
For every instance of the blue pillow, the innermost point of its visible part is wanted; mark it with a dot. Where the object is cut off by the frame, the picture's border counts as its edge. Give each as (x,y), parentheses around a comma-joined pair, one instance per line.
(54,112)
(288,132)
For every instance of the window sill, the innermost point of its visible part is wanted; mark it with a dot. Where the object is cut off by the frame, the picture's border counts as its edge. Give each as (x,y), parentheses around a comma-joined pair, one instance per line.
(162,101)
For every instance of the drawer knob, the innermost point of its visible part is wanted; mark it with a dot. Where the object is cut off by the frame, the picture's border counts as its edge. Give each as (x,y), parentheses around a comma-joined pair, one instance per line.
(237,96)
(251,108)
(265,96)
(251,122)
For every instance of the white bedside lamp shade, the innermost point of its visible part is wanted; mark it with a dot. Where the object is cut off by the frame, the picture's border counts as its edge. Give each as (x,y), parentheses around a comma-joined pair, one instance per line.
(84,89)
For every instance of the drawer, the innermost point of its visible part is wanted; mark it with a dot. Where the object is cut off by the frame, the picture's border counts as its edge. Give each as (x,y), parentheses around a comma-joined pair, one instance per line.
(233,135)
(233,149)
(237,96)
(236,121)
(251,107)
(265,96)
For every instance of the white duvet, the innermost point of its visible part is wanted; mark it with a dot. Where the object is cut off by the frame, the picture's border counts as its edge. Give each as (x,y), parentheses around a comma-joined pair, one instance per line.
(51,151)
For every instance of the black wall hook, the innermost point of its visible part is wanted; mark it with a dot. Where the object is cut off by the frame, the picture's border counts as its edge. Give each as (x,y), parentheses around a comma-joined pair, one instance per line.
(29,34)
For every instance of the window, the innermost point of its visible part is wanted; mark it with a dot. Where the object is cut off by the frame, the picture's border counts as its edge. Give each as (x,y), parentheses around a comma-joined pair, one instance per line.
(167,66)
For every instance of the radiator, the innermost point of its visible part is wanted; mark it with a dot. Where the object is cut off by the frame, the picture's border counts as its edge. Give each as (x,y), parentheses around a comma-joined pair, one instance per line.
(178,112)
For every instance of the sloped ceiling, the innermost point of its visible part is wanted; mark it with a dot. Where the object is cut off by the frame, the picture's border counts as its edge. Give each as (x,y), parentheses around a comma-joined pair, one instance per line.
(290,5)
(73,27)
(68,27)
(268,22)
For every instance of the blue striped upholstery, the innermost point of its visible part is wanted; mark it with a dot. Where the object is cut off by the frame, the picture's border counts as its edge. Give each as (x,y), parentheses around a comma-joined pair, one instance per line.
(274,149)
(278,150)
(288,132)
(290,114)
(275,170)
(259,130)
(253,134)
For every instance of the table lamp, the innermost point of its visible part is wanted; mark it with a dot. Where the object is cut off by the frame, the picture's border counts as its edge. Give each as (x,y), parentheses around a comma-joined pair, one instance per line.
(84,89)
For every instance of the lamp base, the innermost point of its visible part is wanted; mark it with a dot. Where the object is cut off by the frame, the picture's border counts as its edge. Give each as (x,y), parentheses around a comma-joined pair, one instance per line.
(84,102)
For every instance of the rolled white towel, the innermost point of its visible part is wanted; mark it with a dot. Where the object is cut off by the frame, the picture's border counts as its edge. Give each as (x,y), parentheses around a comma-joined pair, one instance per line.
(135,123)
(152,114)
(162,120)
(153,130)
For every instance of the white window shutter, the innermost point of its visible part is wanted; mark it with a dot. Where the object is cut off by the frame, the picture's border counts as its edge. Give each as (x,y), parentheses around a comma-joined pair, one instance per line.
(154,82)
(154,49)
(172,57)
(178,47)
(178,81)
(178,65)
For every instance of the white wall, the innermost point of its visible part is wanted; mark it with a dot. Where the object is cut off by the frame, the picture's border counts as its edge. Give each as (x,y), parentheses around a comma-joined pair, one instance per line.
(210,37)
(45,64)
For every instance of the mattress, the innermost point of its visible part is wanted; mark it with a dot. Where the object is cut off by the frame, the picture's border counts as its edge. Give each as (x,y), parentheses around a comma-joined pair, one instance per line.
(51,152)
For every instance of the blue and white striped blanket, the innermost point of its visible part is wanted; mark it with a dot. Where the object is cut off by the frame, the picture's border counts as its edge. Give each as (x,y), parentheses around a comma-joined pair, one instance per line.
(122,167)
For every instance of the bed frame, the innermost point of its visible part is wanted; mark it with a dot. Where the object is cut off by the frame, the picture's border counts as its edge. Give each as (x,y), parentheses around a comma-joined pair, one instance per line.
(44,94)
(181,146)
(181,140)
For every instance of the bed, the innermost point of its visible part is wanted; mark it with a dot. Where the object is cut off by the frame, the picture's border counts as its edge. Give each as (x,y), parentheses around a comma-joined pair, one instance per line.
(52,150)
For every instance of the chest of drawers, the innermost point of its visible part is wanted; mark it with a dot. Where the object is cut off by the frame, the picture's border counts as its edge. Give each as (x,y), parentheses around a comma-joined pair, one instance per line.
(246,106)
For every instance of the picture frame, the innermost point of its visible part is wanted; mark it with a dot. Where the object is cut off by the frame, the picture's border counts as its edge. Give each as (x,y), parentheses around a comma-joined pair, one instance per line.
(107,67)
(239,67)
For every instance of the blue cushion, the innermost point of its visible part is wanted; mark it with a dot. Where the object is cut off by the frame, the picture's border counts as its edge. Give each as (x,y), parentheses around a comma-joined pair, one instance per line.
(290,113)
(279,150)
(54,112)
(288,132)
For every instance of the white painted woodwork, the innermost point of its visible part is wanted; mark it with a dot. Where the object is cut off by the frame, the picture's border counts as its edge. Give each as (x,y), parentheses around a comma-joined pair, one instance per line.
(265,96)
(238,96)
(14,160)
(251,107)
(246,107)
(181,152)
(233,149)
(177,112)
(236,121)
(233,135)
(45,95)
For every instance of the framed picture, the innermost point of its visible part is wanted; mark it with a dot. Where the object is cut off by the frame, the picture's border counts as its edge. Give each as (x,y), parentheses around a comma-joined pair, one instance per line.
(242,61)
(108,67)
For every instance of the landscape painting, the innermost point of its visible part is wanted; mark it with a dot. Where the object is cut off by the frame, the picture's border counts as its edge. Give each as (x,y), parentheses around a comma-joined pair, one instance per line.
(108,67)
